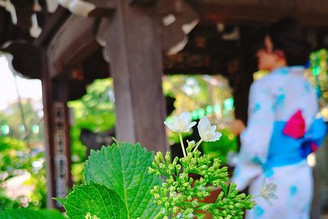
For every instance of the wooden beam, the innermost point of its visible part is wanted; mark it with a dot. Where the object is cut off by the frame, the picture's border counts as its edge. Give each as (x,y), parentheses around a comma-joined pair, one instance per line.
(133,47)
(52,25)
(73,43)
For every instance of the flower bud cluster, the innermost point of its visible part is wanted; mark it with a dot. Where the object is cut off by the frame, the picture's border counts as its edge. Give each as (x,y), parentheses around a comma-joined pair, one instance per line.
(189,180)
(192,178)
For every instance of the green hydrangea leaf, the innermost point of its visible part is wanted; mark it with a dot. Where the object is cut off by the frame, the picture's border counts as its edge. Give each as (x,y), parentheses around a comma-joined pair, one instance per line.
(94,201)
(123,167)
(30,214)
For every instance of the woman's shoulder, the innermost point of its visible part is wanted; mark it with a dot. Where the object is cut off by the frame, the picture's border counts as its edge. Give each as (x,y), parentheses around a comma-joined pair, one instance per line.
(268,81)
(270,85)
(281,77)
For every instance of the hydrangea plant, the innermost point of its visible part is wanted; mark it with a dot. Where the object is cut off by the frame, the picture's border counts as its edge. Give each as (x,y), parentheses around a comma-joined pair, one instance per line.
(125,181)
(183,196)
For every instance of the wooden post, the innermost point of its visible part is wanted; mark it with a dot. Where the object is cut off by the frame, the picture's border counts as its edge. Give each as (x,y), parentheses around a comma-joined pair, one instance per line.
(132,42)
(247,65)
(56,138)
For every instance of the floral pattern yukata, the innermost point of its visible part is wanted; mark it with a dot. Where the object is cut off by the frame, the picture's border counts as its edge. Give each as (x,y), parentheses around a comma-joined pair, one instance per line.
(266,153)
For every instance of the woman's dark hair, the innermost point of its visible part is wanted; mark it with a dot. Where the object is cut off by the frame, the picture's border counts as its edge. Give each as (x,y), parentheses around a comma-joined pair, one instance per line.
(288,36)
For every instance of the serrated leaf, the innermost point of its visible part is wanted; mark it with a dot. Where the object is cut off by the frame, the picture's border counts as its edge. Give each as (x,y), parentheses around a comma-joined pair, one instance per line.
(123,167)
(30,214)
(94,200)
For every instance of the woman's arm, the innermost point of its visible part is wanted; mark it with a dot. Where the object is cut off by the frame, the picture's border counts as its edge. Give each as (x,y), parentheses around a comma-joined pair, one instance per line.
(255,138)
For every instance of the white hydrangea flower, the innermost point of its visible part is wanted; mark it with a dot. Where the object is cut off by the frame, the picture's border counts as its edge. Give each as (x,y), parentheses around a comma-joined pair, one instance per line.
(180,123)
(267,191)
(206,131)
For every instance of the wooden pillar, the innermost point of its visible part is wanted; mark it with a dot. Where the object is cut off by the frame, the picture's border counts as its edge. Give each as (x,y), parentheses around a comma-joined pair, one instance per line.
(244,77)
(56,138)
(132,42)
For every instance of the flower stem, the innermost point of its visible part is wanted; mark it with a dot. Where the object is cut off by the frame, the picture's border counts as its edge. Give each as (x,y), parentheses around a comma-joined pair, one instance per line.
(182,145)
(197,144)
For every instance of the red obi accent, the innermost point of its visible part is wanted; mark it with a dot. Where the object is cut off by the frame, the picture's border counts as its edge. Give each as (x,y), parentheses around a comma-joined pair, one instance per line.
(314,147)
(295,126)
(310,140)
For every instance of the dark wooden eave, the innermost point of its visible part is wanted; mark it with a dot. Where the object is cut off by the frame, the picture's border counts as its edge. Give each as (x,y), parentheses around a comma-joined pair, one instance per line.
(310,12)
(26,58)
(73,38)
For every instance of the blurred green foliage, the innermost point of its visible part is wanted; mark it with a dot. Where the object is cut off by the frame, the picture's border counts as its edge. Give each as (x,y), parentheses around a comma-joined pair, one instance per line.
(31,214)
(17,159)
(204,95)
(22,153)
(95,111)
(220,149)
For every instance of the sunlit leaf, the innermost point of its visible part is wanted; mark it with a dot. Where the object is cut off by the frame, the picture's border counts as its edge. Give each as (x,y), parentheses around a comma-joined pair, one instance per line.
(95,201)
(123,168)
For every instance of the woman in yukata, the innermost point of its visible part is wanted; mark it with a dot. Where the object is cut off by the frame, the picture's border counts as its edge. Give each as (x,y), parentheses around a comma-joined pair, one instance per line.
(282,127)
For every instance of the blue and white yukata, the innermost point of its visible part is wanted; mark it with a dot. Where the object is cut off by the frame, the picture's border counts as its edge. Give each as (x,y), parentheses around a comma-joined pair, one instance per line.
(267,153)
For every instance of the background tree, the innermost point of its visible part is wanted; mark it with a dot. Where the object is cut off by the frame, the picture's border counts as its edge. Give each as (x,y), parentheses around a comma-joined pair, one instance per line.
(24,121)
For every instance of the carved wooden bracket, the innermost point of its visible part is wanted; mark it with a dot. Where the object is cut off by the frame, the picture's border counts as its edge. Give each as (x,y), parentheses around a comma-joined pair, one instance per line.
(90,8)
(178,18)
